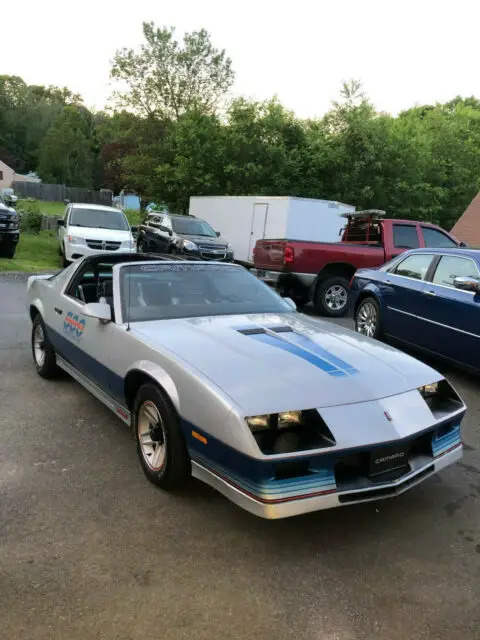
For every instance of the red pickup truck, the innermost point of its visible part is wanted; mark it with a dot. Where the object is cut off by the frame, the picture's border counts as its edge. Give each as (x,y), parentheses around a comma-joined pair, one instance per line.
(321,271)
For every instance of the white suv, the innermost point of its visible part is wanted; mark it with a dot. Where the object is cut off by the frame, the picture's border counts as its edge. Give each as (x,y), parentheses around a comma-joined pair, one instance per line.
(87,229)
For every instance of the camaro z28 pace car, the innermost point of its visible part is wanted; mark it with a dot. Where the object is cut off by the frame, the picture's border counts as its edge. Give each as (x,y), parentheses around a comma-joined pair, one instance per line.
(222,379)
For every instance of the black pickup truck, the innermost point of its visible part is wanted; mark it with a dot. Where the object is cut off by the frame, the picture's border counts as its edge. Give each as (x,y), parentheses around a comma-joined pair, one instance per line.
(9,230)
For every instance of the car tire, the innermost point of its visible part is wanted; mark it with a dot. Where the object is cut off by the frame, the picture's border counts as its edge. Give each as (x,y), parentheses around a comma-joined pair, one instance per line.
(367,318)
(331,297)
(160,444)
(43,353)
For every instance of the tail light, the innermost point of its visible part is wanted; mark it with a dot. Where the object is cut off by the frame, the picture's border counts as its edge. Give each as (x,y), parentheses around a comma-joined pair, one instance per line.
(288,255)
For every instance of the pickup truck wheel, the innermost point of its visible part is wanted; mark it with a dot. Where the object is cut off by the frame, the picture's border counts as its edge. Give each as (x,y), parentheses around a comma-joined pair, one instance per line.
(367,318)
(160,445)
(10,251)
(42,350)
(331,297)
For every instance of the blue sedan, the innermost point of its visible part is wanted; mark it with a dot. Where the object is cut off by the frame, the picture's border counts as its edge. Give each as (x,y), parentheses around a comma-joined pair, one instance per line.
(428,299)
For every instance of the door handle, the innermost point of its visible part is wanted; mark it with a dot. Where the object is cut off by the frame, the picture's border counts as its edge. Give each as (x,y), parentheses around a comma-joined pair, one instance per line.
(59,311)
(430,293)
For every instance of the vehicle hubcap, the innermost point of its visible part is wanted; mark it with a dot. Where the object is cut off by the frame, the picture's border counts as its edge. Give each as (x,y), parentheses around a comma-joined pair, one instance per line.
(152,436)
(367,319)
(336,297)
(39,345)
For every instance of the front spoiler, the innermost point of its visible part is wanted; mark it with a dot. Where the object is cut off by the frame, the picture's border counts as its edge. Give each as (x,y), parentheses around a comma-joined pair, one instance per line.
(329,499)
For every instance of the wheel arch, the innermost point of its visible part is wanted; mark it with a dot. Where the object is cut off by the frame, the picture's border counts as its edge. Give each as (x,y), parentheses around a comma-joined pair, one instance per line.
(35,308)
(330,270)
(144,372)
(370,291)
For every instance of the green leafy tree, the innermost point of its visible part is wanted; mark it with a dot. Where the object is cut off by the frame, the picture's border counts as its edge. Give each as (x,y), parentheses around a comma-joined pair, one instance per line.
(166,79)
(66,155)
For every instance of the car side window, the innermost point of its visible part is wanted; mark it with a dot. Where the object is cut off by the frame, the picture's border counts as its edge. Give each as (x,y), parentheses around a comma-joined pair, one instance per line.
(450,267)
(434,238)
(405,236)
(415,266)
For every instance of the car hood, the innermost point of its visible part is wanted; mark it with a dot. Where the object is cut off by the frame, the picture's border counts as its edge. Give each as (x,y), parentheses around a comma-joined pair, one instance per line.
(280,362)
(99,234)
(205,240)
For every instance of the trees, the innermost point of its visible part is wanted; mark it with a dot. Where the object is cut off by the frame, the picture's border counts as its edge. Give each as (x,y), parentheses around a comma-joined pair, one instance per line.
(66,155)
(165,79)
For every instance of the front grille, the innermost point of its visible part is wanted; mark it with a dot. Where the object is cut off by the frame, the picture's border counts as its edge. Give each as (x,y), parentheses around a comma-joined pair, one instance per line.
(102,245)
(212,252)
(384,492)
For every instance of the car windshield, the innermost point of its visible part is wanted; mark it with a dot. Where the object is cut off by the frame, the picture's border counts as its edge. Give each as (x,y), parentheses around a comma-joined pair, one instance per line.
(188,290)
(98,219)
(189,227)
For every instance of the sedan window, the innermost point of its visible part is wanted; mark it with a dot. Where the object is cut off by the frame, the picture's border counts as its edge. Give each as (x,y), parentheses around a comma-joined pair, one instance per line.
(450,267)
(415,266)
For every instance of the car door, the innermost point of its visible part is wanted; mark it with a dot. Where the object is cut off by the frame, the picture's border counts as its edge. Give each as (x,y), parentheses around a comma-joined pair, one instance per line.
(164,234)
(453,315)
(402,292)
(83,341)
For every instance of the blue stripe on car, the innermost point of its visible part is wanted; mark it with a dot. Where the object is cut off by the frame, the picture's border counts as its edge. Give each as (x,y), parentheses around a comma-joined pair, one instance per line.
(304,348)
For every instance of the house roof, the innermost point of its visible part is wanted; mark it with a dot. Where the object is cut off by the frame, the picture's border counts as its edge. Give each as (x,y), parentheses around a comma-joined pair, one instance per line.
(467,227)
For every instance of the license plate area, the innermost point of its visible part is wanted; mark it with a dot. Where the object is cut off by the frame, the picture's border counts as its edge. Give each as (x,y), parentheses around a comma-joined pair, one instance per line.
(385,460)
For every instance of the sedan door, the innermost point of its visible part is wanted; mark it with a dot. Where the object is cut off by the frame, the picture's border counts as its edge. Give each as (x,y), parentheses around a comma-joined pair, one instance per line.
(403,294)
(452,314)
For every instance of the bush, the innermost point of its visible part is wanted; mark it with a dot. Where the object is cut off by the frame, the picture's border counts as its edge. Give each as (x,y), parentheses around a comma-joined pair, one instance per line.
(31,217)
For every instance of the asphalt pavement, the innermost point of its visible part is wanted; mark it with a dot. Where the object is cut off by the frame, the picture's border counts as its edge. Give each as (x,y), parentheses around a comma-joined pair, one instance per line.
(90,550)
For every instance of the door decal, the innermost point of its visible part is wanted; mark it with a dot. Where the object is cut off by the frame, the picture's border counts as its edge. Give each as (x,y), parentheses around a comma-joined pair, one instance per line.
(73,326)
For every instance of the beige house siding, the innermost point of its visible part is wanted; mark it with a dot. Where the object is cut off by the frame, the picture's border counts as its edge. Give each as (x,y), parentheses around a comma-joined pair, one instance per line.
(467,227)
(7,175)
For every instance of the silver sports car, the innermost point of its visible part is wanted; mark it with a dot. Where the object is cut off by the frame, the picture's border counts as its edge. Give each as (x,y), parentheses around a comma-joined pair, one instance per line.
(222,379)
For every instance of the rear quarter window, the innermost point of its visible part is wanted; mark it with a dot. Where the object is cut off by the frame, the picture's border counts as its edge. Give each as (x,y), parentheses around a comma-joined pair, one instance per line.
(405,236)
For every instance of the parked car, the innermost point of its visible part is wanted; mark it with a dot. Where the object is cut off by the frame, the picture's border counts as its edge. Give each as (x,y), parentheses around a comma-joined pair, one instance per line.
(246,219)
(9,230)
(87,229)
(321,272)
(428,299)
(183,235)
(220,378)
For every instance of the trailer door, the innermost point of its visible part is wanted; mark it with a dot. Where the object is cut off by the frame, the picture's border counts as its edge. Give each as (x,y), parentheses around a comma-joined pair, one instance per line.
(259,220)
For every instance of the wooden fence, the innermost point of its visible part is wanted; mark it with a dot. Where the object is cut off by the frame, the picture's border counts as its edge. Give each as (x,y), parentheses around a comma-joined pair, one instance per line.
(59,193)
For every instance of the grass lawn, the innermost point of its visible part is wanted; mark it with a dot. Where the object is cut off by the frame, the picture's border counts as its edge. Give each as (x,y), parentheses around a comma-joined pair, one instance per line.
(56,209)
(34,253)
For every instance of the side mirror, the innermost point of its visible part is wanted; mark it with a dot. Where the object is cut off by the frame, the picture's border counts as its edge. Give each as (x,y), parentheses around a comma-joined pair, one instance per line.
(291,304)
(60,222)
(99,310)
(467,283)
(134,228)
(66,201)
(218,233)
(463,244)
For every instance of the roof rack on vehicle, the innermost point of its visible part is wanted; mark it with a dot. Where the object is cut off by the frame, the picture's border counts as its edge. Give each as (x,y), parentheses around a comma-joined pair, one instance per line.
(367,213)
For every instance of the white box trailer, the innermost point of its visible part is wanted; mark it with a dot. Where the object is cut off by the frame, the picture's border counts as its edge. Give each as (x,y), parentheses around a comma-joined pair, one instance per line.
(242,220)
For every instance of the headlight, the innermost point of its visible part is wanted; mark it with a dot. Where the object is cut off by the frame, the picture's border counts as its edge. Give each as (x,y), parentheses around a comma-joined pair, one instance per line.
(190,246)
(429,389)
(76,240)
(229,248)
(290,431)
(127,244)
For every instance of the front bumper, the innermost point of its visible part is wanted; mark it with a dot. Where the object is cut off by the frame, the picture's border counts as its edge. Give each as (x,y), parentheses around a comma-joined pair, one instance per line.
(327,498)
(75,251)
(9,236)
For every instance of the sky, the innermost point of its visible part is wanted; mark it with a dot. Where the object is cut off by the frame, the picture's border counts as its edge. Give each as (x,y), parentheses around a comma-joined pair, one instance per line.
(404,53)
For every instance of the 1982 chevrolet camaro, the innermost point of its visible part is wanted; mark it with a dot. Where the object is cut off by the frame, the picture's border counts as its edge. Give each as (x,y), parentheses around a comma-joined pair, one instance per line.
(222,379)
